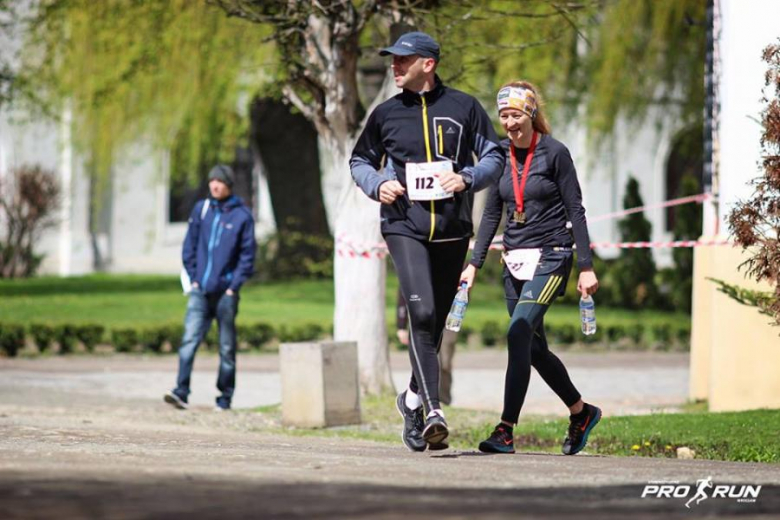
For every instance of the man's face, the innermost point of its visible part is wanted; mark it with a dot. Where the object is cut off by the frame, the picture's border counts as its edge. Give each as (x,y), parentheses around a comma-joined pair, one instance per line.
(411,71)
(219,190)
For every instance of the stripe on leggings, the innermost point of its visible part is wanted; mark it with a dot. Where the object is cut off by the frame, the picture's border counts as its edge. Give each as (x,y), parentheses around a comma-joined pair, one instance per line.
(543,294)
(552,291)
(422,383)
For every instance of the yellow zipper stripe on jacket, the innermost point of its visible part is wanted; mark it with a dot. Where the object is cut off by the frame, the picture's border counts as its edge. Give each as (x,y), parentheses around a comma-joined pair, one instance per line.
(430,158)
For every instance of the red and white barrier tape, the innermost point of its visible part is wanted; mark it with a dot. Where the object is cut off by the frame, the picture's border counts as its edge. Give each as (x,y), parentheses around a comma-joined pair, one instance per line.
(345,247)
(661,245)
(701,197)
(380,251)
(498,246)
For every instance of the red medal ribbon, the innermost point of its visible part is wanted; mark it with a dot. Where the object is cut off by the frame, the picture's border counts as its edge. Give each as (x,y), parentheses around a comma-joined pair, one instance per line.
(519,186)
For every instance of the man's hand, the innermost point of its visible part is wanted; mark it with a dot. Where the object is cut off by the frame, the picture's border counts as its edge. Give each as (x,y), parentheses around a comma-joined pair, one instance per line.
(195,285)
(451,182)
(389,191)
(403,336)
(230,292)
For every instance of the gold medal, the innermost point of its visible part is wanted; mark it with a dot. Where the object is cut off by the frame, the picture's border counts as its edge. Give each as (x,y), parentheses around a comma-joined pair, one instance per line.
(518,184)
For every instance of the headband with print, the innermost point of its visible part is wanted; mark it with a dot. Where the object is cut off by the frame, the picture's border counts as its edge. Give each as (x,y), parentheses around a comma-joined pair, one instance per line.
(517,97)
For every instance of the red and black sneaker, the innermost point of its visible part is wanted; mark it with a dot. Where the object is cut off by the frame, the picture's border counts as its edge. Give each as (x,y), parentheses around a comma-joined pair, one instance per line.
(579,428)
(500,441)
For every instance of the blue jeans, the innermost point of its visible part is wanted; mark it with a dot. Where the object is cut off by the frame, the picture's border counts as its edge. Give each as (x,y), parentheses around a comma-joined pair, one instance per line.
(201,311)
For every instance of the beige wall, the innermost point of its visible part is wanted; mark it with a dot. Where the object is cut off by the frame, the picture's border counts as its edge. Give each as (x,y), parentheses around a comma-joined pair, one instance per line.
(735,352)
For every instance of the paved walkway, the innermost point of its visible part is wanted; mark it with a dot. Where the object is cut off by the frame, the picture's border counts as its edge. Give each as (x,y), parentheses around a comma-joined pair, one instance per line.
(620,382)
(80,438)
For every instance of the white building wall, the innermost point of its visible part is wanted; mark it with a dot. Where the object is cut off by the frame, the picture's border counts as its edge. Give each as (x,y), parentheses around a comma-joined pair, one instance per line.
(142,239)
(747,29)
(24,141)
(641,152)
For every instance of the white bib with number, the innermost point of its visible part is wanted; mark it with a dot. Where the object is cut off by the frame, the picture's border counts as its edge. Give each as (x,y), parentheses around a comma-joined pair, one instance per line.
(421,183)
(522,262)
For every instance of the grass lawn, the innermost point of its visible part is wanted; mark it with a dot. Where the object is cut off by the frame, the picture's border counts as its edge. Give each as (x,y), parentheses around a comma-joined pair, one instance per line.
(736,436)
(141,300)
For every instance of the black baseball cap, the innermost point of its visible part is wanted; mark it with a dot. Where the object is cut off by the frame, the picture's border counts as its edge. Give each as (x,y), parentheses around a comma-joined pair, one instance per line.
(414,43)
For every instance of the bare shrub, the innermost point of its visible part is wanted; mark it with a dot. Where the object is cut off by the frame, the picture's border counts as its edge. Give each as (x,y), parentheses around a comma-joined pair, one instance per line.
(29,196)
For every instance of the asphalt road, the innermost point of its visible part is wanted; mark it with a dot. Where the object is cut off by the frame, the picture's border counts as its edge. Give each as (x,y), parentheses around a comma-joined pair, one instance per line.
(67,452)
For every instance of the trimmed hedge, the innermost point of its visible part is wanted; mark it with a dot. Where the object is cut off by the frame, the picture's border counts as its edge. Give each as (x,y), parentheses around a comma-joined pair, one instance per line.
(42,335)
(492,333)
(124,340)
(90,335)
(256,336)
(11,339)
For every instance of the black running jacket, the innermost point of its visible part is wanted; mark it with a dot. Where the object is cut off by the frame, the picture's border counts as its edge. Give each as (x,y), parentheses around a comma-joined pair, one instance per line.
(442,124)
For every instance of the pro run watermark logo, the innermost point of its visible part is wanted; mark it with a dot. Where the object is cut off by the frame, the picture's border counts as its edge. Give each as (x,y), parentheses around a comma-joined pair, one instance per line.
(704,489)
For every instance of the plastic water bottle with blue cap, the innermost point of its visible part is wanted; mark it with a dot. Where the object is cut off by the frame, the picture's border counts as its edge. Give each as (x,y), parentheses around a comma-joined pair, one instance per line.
(588,315)
(458,309)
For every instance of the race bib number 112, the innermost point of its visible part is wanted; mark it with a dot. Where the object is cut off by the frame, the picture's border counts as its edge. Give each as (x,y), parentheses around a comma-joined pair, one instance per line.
(421,182)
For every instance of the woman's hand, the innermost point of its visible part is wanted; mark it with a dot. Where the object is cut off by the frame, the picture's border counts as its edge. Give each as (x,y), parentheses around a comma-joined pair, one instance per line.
(587,283)
(468,275)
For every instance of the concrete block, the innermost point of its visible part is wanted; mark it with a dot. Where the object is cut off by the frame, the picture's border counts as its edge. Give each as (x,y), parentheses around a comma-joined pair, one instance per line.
(319,384)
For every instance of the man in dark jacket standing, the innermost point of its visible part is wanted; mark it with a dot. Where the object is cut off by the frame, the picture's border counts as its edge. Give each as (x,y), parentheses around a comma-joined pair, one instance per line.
(219,256)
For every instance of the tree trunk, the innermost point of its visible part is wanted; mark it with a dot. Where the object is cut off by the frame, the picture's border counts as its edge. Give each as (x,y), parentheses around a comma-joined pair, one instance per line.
(292,167)
(359,266)
(359,278)
(330,51)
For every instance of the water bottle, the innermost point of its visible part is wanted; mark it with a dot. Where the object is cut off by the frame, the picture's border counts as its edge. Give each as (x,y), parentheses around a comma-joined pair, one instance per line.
(588,315)
(458,309)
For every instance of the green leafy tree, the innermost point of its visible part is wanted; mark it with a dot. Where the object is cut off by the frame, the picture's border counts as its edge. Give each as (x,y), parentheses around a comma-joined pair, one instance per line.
(687,226)
(597,61)
(170,71)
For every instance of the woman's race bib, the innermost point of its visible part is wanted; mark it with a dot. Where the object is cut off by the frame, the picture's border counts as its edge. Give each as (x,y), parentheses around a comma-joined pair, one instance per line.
(421,184)
(522,262)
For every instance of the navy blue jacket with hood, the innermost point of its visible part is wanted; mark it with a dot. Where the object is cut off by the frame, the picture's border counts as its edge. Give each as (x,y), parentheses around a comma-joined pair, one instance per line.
(219,249)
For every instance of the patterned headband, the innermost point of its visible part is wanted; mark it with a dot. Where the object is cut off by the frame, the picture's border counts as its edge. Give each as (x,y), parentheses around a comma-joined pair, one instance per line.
(522,99)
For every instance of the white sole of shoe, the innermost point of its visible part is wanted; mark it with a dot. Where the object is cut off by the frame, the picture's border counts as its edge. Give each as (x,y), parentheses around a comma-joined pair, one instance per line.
(403,438)
(175,401)
(435,433)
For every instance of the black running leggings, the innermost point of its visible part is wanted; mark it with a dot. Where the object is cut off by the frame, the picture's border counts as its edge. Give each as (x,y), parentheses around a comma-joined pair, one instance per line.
(527,303)
(429,273)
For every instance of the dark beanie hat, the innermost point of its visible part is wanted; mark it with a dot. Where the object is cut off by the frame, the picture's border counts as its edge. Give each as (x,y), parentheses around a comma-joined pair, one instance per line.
(224,173)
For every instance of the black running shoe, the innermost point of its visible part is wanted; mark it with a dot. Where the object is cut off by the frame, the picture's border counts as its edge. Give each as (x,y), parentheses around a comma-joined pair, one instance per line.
(579,429)
(436,430)
(438,446)
(173,398)
(413,424)
(500,441)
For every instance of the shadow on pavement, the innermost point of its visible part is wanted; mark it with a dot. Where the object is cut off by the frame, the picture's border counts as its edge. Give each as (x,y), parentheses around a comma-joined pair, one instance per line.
(137,496)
